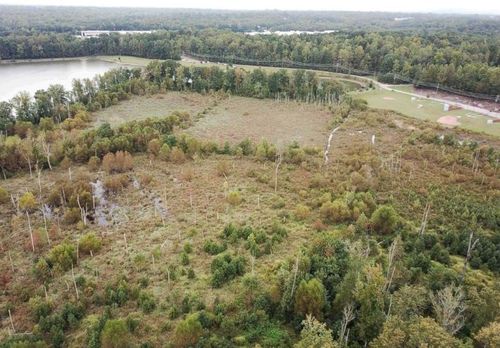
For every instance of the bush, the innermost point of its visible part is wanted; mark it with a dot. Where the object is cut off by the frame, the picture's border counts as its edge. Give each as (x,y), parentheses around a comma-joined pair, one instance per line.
(336,211)
(223,168)
(154,147)
(62,255)
(234,198)
(177,155)
(72,216)
(116,183)
(94,163)
(27,201)
(214,248)
(164,153)
(188,331)
(302,212)
(115,334)
(310,298)
(4,195)
(117,163)
(184,259)
(89,243)
(188,248)
(225,268)
(147,302)
(384,219)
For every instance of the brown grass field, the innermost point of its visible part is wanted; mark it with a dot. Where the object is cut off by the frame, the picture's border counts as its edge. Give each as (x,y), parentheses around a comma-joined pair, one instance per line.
(230,119)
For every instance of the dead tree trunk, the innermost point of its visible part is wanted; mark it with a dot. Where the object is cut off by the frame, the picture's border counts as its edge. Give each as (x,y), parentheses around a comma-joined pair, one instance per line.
(423,224)
(470,248)
(279,159)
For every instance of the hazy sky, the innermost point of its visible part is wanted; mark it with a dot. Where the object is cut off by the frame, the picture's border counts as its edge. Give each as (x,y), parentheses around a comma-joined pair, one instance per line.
(468,6)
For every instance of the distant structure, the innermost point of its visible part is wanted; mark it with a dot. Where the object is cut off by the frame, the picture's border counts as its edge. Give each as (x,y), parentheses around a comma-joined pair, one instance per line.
(399,19)
(97,33)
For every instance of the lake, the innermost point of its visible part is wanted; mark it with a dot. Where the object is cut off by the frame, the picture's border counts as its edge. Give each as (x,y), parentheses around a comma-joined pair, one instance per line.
(32,76)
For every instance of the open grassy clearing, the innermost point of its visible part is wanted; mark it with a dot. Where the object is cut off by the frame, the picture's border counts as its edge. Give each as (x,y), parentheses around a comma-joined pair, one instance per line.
(230,119)
(237,118)
(426,109)
(158,105)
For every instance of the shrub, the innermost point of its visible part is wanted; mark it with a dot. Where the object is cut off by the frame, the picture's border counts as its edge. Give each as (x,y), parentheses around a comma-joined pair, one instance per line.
(177,155)
(94,163)
(154,147)
(89,243)
(188,248)
(310,298)
(27,201)
(116,183)
(184,259)
(147,302)
(336,211)
(4,195)
(302,212)
(164,153)
(117,163)
(223,168)
(225,268)
(62,255)
(188,331)
(115,334)
(214,248)
(72,216)
(384,219)
(234,198)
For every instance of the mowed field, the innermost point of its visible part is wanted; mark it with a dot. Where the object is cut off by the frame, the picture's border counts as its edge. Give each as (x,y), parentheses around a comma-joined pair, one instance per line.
(231,119)
(426,109)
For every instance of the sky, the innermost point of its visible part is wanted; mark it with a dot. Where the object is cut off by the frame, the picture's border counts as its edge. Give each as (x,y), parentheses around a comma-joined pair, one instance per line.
(454,6)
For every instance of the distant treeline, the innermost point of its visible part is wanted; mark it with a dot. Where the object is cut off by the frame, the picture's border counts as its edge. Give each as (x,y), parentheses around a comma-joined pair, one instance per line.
(464,62)
(29,19)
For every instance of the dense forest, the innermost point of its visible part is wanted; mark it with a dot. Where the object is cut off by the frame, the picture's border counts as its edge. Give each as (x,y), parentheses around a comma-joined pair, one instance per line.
(463,62)
(26,20)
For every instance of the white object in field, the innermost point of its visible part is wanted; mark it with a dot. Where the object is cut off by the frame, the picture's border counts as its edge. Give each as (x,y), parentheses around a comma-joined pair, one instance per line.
(446,107)
(489,121)
(190,81)
(373,139)
(420,106)
(413,98)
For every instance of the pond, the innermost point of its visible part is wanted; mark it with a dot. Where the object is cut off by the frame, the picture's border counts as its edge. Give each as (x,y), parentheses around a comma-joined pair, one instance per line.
(32,76)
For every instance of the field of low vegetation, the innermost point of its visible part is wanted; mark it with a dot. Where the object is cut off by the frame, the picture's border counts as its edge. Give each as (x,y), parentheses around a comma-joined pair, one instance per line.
(207,211)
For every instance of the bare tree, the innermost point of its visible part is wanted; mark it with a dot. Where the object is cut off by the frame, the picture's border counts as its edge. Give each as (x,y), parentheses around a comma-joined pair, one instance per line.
(425,217)
(46,149)
(347,317)
(279,159)
(391,262)
(470,248)
(449,306)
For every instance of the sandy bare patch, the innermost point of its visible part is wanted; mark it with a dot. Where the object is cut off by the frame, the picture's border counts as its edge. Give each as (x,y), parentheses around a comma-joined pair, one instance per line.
(388,98)
(449,121)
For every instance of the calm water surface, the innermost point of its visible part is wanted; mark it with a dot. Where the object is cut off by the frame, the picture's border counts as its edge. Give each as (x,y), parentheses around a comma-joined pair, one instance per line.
(33,76)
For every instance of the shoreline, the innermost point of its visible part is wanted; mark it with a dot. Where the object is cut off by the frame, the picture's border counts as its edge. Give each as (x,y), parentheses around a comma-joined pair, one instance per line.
(43,60)
(108,59)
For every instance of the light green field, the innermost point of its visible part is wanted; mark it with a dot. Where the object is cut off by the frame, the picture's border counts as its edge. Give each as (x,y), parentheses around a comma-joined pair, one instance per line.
(426,109)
